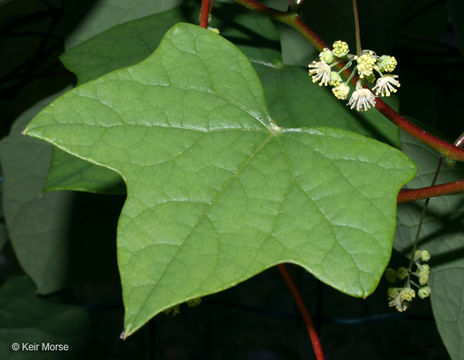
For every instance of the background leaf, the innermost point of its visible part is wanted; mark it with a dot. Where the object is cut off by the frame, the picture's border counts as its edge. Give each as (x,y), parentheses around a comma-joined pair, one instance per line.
(37,223)
(198,218)
(70,173)
(441,234)
(105,14)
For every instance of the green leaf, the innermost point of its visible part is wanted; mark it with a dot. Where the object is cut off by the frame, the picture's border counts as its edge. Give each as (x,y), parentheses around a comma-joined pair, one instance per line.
(25,318)
(441,233)
(37,223)
(288,90)
(105,14)
(216,191)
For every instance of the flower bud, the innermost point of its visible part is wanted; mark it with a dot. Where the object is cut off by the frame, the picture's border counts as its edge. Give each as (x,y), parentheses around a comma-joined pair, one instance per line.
(327,56)
(387,63)
(335,79)
(423,279)
(407,294)
(424,292)
(390,275)
(402,273)
(341,91)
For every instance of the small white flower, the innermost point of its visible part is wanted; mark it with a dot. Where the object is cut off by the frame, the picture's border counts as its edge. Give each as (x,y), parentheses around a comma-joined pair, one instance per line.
(385,85)
(362,99)
(319,72)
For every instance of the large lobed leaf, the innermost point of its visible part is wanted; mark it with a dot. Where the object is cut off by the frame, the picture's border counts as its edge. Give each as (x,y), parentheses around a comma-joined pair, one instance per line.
(217,192)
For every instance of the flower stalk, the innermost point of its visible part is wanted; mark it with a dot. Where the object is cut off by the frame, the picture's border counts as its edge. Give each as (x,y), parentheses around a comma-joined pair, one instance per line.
(356,27)
(206,6)
(304,312)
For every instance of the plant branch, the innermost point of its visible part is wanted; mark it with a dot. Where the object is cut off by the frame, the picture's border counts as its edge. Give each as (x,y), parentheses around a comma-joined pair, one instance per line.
(445,148)
(424,211)
(204,15)
(450,188)
(357,28)
(304,312)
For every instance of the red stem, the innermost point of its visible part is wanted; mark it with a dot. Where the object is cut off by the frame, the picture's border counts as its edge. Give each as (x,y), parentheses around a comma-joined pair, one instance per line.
(205,9)
(431,191)
(445,148)
(304,312)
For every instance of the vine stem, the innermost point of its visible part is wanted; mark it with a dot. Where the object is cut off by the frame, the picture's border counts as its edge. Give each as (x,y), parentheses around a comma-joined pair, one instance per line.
(434,190)
(304,312)
(431,191)
(205,9)
(445,148)
(357,28)
(424,211)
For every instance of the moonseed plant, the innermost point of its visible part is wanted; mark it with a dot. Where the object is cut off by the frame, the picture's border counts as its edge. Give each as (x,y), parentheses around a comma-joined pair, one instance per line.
(401,297)
(366,65)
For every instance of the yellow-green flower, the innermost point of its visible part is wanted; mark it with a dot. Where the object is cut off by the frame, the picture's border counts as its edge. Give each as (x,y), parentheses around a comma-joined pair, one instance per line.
(366,63)
(423,269)
(407,294)
(395,299)
(341,91)
(326,55)
(387,63)
(423,279)
(335,79)
(423,255)
(424,292)
(340,48)
(402,273)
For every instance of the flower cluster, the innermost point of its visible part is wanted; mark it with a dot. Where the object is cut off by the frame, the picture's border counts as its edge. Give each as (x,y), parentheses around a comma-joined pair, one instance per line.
(366,65)
(400,297)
